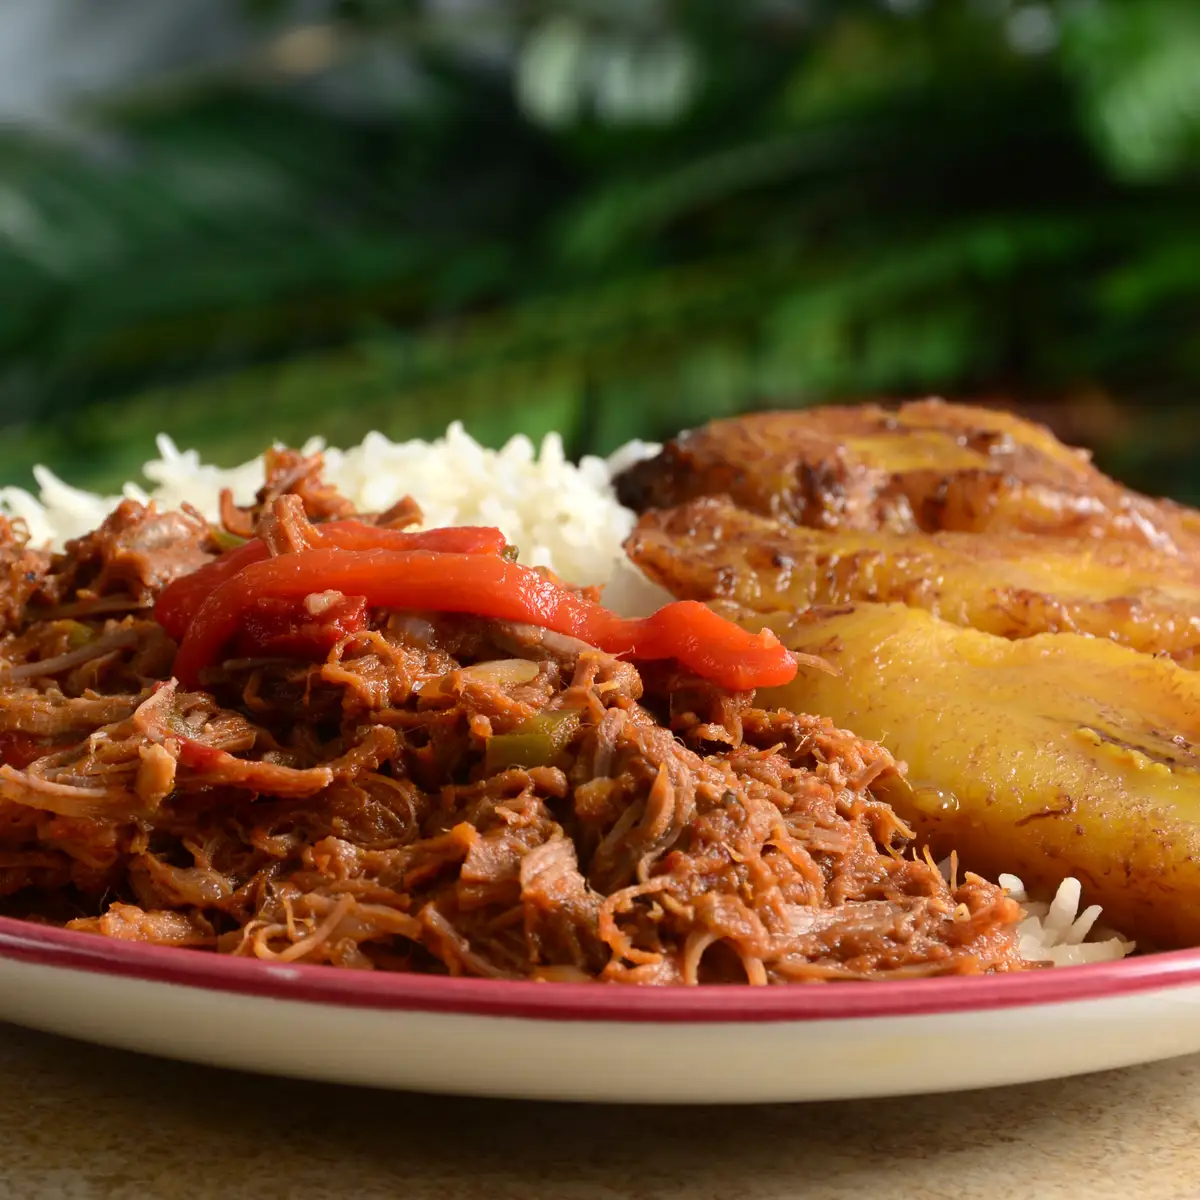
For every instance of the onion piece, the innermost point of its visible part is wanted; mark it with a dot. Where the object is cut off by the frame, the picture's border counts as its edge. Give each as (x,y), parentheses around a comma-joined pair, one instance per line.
(502,672)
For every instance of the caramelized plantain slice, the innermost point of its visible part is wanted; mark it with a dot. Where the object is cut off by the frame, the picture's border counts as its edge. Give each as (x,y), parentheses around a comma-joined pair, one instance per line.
(1053,756)
(927,466)
(1013,586)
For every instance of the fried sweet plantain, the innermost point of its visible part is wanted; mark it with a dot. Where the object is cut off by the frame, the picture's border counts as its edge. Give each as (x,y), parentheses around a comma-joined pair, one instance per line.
(1013,586)
(1053,756)
(927,466)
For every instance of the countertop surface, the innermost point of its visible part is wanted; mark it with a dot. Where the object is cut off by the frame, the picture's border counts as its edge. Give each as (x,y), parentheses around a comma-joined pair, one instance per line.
(81,1122)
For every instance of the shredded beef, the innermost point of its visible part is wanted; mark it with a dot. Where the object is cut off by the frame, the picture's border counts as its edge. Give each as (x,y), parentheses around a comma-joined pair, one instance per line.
(132,556)
(442,794)
(21,572)
(290,473)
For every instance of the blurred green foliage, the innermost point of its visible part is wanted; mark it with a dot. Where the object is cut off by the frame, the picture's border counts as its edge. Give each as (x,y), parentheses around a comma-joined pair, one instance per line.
(613,220)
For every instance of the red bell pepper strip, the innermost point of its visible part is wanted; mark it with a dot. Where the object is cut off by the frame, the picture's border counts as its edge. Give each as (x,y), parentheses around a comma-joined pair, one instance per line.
(285,629)
(181,599)
(453,539)
(486,586)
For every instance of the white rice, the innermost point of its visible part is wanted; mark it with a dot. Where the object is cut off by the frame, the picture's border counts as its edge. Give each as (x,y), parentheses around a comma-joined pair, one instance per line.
(1058,933)
(561,515)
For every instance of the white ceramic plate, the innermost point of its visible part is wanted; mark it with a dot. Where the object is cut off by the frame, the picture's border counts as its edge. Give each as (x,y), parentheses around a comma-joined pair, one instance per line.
(601,1043)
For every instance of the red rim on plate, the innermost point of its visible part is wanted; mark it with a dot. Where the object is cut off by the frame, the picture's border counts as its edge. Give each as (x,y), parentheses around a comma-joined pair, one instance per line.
(46,946)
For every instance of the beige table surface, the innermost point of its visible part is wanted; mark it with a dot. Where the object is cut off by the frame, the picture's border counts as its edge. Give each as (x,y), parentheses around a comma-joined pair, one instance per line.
(82,1122)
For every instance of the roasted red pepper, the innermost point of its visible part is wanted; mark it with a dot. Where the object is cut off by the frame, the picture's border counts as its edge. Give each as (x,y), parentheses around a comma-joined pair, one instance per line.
(487,586)
(181,600)
(287,629)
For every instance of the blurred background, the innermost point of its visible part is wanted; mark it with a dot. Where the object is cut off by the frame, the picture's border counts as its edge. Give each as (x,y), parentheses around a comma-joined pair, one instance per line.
(245,220)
